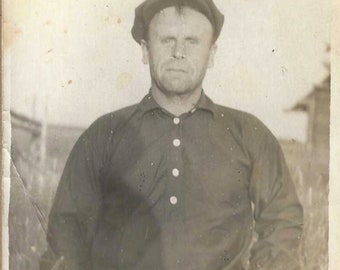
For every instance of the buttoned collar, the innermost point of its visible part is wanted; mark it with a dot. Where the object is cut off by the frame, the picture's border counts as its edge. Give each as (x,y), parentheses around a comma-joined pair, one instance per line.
(148,103)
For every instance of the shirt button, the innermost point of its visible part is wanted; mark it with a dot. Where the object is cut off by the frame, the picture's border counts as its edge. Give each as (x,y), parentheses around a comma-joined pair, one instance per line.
(175,172)
(176,142)
(176,120)
(173,200)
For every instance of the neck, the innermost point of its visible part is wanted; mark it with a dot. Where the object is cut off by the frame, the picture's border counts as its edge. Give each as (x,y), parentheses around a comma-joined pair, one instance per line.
(176,104)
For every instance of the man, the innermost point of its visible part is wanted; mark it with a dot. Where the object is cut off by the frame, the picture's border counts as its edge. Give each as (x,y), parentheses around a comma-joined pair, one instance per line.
(169,183)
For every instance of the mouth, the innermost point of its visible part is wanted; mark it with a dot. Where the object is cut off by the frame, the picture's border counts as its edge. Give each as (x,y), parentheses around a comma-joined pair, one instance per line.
(178,70)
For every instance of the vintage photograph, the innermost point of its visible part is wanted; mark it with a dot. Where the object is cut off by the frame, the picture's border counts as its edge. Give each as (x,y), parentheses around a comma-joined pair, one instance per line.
(168,134)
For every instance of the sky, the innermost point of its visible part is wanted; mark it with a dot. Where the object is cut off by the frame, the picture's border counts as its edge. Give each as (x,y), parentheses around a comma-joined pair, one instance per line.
(71,61)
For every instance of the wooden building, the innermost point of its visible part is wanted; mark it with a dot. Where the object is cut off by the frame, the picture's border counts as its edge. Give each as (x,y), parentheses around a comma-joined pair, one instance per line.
(317,106)
(314,179)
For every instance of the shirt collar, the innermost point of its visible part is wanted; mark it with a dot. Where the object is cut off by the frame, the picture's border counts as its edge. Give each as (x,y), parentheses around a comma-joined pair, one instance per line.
(148,103)
(205,103)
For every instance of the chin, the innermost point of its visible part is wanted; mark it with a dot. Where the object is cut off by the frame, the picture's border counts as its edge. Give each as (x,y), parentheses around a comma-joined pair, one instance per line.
(177,90)
(177,87)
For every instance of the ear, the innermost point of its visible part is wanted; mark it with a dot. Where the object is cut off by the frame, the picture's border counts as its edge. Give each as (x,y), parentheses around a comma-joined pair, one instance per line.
(212,53)
(145,51)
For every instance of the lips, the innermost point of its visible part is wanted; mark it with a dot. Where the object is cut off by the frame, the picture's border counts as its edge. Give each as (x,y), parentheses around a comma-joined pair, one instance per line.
(179,70)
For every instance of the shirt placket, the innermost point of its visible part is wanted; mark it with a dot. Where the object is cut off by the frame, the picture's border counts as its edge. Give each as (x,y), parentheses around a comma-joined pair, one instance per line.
(175,168)
(174,197)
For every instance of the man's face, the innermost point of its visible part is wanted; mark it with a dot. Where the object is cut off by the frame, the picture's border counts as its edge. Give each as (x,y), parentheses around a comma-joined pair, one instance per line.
(179,50)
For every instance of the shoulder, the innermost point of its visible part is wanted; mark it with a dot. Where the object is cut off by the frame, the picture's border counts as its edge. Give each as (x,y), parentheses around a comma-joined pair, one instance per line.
(243,121)
(110,122)
(248,129)
(95,140)
(98,134)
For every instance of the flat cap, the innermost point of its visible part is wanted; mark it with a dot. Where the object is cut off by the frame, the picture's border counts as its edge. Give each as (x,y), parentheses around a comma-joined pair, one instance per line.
(147,10)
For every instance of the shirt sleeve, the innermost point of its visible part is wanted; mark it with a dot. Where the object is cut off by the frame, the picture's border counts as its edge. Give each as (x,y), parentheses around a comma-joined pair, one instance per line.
(277,210)
(77,204)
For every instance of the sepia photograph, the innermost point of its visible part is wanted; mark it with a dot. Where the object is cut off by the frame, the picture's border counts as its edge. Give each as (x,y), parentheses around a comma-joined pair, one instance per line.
(167,134)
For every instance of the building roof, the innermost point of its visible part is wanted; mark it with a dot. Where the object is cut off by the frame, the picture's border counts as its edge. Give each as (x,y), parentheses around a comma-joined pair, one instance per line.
(304,104)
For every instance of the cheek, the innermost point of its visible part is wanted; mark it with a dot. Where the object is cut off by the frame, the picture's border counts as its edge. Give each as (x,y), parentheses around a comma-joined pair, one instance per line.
(198,55)
(202,62)
(197,65)
(158,59)
(160,51)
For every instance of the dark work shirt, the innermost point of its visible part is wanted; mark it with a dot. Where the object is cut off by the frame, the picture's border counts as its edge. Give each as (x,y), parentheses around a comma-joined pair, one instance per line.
(143,189)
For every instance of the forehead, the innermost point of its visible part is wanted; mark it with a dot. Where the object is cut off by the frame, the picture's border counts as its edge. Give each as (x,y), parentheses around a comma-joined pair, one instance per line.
(187,19)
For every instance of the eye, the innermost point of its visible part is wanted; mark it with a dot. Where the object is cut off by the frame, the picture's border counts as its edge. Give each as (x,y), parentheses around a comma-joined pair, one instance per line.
(192,41)
(167,40)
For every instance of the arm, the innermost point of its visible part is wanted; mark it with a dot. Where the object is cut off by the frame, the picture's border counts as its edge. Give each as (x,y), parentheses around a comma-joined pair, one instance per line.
(77,204)
(277,211)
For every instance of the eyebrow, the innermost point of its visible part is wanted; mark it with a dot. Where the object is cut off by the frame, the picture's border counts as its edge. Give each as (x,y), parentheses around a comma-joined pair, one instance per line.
(168,35)
(192,37)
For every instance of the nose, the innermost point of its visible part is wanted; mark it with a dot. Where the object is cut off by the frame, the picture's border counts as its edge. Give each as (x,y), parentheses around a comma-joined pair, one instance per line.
(179,50)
